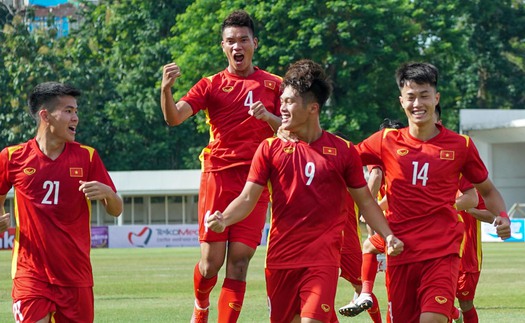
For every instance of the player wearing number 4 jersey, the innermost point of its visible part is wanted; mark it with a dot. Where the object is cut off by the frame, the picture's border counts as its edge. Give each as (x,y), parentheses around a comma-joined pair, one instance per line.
(241,104)
(308,181)
(54,180)
(422,165)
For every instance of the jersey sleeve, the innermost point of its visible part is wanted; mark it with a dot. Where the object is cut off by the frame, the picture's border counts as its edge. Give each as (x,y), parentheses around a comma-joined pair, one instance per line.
(465,185)
(354,172)
(370,149)
(99,173)
(196,96)
(5,184)
(260,170)
(474,169)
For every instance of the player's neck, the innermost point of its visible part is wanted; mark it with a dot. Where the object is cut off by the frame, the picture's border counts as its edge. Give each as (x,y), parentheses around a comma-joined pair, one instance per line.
(424,131)
(242,73)
(309,134)
(49,145)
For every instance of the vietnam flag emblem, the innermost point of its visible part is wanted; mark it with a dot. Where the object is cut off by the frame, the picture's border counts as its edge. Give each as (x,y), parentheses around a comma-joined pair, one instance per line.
(76,172)
(329,151)
(446,154)
(270,84)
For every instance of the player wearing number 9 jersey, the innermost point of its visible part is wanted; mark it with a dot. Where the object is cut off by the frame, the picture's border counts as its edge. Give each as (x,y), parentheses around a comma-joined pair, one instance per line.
(241,105)
(422,165)
(54,180)
(308,181)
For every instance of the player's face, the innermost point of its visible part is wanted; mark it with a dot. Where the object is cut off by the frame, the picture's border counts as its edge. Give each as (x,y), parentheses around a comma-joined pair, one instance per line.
(419,102)
(63,120)
(239,45)
(294,111)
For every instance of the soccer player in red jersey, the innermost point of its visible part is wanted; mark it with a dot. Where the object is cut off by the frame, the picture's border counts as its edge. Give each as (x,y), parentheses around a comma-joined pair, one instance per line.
(55,179)
(309,181)
(422,165)
(470,264)
(241,104)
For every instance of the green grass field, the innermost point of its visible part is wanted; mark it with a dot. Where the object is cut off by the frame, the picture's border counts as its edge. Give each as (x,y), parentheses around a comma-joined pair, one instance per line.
(155,285)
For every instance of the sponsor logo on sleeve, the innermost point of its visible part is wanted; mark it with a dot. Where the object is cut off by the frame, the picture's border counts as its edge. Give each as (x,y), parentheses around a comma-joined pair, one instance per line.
(441,299)
(402,152)
(227,89)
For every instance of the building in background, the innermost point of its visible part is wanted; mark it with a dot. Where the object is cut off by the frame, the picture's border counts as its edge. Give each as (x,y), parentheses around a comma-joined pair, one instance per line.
(500,138)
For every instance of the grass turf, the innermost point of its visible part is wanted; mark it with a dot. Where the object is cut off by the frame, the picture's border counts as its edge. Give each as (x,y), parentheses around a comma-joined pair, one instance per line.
(155,285)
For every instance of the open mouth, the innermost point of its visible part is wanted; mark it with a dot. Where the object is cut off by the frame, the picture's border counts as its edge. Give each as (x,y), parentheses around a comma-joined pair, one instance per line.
(73,129)
(238,58)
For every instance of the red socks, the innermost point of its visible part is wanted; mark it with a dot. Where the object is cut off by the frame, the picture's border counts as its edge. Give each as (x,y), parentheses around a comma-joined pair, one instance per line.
(374,312)
(230,300)
(202,288)
(368,272)
(470,316)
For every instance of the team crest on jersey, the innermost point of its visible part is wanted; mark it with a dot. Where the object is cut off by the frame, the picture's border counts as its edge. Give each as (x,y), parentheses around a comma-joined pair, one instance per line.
(289,150)
(325,308)
(29,171)
(441,299)
(446,154)
(329,151)
(270,84)
(402,152)
(76,172)
(227,89)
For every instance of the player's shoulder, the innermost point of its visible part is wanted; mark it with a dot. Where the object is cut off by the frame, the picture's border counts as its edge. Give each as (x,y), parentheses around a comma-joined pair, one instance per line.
(13,150)
(76,147)
(270,75)
(456,137)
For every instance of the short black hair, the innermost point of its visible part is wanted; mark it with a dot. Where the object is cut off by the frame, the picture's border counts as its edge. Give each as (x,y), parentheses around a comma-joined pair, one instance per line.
(44,94)
(390,123)
(238,18)
(308,77)
(421,73)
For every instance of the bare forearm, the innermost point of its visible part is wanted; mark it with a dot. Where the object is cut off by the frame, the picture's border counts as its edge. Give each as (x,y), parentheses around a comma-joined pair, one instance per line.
(482,215)
(113,205)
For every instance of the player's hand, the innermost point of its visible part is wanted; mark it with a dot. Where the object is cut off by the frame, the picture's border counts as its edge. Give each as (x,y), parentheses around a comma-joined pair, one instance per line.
(5,220)
(170,73)
(258,111)
(286,135)
(215,222)
(394,245)
(502,227)
(95,190)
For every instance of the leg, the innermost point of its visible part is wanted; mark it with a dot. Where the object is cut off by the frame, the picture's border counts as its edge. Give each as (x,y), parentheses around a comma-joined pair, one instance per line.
(234,286)
(205,277)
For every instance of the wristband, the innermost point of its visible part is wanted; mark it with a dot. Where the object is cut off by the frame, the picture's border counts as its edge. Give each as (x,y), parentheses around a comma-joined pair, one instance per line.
(504,214)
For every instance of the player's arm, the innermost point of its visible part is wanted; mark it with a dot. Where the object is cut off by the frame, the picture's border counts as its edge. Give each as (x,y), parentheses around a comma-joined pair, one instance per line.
(174,113)
(467,200)
(375,218)
(98,191)
(375,176)
(238,209)
(482,215)
(4,217)
(496,205)
(259,111)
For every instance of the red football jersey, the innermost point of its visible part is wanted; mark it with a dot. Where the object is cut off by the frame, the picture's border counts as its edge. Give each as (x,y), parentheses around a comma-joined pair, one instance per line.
(308,185)
(226,99)
(422,179)
(472,253)
(53,218)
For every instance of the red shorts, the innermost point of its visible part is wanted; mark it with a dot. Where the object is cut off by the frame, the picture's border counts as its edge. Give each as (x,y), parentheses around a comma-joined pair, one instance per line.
(34,299)
(308,292)
(420,287)
(467,283)
(351,253)
(378,242)
(217,190)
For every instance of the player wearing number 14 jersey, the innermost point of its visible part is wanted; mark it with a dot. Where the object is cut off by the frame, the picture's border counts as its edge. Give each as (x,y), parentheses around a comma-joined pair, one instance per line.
(422,166)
